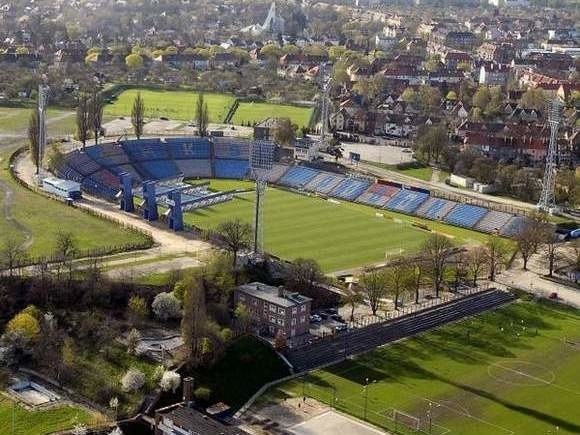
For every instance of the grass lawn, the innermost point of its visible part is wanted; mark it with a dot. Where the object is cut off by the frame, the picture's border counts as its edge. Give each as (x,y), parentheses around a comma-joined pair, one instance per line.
(339,236)
(40,422)
(41,218)
(256,112)
(510,371)
(15,120)
(178,105)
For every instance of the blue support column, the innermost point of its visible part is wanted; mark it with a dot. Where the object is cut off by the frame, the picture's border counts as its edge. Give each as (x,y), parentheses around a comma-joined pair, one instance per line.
(127,203)
(175,213)
(150,206)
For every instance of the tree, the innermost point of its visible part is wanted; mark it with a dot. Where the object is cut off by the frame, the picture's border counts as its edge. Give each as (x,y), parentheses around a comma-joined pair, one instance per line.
(534,98)
(66,249)
(201,115)
(166,306)
(83,121)
(243,318)
(429,98)
(132,340)
(284,132)
(134,61)
(194,317)
(398,280)
(96,114)
(476,260)
(12,254)
(431,142)
(170,381)
(34,138)
(374,286)
(271,51)
(529,238)
(451,96)
(352,297)
(133,380)
(302,274)
(24,325)
(280,341)
(438,251)
(137,308)
(236,235)
(495,255)
(409,96)
(551,245)
(137,115)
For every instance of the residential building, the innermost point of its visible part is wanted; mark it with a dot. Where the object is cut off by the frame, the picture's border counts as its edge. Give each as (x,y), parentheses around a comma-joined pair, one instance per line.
(275,310)
(493,74)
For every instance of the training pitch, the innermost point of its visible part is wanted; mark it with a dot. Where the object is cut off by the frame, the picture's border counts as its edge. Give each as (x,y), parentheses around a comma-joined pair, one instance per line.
(178,105)
(338,234)
(256,112)
(510,371)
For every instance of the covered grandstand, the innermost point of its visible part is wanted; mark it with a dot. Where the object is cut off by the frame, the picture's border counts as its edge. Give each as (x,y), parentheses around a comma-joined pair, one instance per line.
(98,169)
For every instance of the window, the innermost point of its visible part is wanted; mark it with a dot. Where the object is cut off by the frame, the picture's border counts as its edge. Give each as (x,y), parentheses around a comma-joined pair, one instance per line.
(255,301)
(302,319)
(242,298)
(303,308)
(273,308)
(281,322)
(281,311)
(294,310)
(272,319)
(293,321)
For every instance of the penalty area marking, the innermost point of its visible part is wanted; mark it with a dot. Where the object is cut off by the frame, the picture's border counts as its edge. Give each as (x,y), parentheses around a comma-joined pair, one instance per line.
(533,381)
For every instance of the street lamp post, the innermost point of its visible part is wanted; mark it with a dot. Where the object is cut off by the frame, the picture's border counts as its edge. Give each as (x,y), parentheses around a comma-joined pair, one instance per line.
(366,397)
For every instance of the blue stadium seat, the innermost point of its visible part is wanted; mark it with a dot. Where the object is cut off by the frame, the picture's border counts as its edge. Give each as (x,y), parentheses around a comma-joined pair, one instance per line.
(194,168)
(298,176)
(146,149)
(189,148)
(513,226)
(231,168)
(378,194)
(161,169)
(493,221)
(465,215)
(82,162)
(324,183)
(406,200)
(435,208)
(350,188)
(231,148)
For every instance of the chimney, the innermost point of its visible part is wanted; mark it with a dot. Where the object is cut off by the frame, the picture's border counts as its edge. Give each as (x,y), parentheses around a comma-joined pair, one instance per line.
(188,390)
(281,291)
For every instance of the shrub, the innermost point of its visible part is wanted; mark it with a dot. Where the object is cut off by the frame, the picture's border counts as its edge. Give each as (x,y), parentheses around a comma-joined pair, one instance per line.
(170,381)
(166,306)
(202,393)
(133,380)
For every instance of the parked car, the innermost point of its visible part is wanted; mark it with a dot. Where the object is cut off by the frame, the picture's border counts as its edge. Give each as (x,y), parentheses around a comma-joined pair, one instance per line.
(341,327)
(332,311)
(315,318)
(337,317)
(323,315)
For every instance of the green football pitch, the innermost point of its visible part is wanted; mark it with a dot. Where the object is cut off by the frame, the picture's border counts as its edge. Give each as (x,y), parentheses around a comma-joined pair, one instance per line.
(256,112)
(338,234)
(18,421)
(513,371)
(178,105)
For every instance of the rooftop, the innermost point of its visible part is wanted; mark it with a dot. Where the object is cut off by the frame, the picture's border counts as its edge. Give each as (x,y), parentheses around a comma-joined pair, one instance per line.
(274,295)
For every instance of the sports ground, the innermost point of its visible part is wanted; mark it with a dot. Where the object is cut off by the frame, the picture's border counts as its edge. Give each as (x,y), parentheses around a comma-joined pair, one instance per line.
(39,422)
(340,235)
(180,105)
(510,371)
(256,112)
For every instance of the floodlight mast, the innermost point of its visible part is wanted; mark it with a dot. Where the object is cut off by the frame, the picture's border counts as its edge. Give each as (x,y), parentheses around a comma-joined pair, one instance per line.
(261,162)
(547,202)
(43,94)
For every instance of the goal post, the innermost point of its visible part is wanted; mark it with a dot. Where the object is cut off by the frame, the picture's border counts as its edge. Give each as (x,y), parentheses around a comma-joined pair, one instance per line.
(407,420)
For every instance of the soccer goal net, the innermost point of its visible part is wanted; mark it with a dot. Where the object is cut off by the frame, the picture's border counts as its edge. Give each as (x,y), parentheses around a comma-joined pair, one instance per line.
(408,420)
